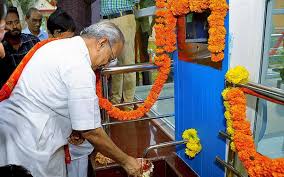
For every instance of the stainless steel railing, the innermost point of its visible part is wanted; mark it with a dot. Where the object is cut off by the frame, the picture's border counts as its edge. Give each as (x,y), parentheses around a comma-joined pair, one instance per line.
(129,68)
(142,101)
(229,165)
(137,120)
(270,92)
(105,72)
(162,145)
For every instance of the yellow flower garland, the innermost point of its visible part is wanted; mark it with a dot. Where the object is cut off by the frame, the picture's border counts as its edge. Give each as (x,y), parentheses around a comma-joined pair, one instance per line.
(193,145)
(237,75)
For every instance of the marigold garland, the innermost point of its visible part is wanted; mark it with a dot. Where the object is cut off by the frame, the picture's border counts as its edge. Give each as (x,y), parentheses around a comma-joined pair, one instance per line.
(193,145)
(238,128)
(165,24)
(165,29)
(217,31)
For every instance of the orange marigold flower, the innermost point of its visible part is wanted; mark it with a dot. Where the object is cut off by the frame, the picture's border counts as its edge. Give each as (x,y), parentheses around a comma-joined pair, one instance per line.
(241,125)
(243,141)
(161,3)
(215,57)
(235,93)
(216,48)
(238,100)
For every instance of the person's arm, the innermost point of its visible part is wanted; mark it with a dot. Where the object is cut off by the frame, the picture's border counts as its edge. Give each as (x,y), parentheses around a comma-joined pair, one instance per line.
(2,51)
(101,141)
(84,111)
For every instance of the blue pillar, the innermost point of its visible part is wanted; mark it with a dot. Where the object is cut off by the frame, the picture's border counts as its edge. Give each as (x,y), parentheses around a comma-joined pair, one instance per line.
(199,105)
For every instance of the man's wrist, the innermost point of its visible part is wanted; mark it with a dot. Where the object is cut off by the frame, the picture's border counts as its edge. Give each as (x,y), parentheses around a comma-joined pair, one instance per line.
(125,159)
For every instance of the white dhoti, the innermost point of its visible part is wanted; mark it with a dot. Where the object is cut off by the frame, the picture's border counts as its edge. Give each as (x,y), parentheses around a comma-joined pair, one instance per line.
(79,159)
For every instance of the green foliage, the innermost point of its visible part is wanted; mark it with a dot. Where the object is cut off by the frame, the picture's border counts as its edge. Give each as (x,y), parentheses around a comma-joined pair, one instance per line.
(26,4)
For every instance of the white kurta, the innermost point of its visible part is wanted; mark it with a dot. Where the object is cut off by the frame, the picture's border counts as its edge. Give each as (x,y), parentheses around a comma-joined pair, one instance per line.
(55,94)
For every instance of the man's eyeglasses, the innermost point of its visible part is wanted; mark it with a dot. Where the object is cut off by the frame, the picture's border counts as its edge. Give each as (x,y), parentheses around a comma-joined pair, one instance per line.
(112,59)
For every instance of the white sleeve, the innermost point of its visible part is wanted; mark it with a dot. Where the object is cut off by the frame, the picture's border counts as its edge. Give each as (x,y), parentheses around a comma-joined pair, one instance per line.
(83,104)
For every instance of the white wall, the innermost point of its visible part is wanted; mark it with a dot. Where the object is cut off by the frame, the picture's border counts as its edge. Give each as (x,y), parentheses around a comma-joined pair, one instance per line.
(246,39)
(246,28)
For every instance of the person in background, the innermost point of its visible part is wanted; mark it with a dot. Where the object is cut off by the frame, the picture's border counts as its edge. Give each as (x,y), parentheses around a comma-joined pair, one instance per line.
(14,171)
(80,11)
(3,12)
(8,170)
(16,44)
(34,20)
(60,24)
(120,12)
(144,31)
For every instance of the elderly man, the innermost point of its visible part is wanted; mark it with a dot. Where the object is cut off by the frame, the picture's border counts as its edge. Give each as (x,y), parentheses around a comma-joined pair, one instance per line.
(55,95)
(34,20)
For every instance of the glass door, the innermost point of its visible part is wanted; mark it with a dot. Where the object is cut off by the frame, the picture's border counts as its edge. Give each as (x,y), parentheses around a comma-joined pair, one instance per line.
(269,127)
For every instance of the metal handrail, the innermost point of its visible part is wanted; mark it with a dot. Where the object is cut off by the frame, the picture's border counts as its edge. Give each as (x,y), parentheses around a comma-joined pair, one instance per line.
(162,145)
(137,120)
(120,70)
(145,12)
(129,68)
(141,101)
(224,135)
(270,92)
(228,166)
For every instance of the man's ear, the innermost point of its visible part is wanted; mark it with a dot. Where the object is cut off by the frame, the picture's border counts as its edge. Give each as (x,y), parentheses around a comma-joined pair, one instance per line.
(102,42)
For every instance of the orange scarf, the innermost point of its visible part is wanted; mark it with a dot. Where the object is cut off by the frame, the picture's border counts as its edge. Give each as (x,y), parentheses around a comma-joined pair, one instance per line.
(8,87)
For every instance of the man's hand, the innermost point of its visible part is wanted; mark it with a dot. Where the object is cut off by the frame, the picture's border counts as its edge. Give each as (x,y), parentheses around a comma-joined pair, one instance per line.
(76,138)
(133,167)
(100,140)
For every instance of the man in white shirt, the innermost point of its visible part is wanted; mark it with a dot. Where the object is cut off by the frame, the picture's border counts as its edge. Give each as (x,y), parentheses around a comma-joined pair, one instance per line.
(34,20)
(56,94)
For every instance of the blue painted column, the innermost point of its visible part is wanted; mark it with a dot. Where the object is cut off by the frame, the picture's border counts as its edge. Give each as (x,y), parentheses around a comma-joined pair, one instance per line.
(199,105)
